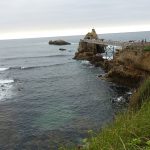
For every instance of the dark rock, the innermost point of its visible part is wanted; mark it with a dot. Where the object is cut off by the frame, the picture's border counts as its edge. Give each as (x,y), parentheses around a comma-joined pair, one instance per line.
(59,42)
(62,49)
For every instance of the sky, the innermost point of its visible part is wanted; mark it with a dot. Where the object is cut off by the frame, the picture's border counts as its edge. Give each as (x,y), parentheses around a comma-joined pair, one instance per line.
(47,18)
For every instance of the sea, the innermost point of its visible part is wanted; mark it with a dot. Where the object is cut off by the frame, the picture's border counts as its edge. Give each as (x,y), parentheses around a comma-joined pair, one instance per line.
(48,99)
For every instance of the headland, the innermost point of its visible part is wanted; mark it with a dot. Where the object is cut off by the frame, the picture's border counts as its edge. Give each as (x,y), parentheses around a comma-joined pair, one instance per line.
(130,66)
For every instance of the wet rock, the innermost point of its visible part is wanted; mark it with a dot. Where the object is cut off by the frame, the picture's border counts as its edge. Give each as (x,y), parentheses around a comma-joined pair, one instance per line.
(59,42)
(62,49)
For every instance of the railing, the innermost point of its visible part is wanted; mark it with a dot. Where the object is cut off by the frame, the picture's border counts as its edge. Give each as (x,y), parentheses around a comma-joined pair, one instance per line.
(112,43)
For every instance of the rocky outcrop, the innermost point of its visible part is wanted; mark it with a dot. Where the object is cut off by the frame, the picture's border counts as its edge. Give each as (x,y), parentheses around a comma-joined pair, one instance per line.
(59,42)
(88,51)
(91,35)
(129,67)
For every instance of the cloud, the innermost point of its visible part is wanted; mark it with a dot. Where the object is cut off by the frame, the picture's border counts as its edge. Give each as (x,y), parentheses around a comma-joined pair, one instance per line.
(37,15)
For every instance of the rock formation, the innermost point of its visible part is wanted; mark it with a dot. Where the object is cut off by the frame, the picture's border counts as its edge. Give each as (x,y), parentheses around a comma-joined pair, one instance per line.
(59,42)
(87,51)
(91,35)
(129,67)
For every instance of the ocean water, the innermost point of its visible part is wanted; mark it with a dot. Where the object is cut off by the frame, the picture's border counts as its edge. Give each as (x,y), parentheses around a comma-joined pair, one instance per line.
(47,99)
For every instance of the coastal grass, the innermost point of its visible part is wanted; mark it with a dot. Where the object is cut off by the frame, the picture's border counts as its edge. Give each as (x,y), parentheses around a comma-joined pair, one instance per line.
(129,131)
(142,94)
(147,48)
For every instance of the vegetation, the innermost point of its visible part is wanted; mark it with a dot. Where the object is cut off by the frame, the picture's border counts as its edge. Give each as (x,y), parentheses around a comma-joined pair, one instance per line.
(142,94)
(130,130)
(147,48)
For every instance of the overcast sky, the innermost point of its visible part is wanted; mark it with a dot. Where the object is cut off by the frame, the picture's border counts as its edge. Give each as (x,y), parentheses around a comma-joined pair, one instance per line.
(27,18)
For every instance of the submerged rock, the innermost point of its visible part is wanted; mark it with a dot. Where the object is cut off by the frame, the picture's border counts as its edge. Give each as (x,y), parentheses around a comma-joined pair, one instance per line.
(59,42)
(62,49)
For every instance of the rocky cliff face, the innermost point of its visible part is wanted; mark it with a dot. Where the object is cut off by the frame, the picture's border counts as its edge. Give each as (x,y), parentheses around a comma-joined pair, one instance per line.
(86,51)
(91,35)
(129,67)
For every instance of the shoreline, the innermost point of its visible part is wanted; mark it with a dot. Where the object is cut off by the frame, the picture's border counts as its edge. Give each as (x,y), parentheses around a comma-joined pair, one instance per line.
(130,67)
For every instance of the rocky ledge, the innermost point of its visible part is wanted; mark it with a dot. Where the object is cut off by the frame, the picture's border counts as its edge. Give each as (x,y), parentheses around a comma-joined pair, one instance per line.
(129,67)
(58,42)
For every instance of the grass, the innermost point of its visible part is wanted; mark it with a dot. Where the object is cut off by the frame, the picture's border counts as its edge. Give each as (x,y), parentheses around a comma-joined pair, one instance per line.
(147,48)
(129,131)
(141,95)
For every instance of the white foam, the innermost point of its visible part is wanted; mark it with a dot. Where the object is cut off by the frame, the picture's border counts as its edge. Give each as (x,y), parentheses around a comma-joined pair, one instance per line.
(85,62)
(6,81)
(129,93)
(108,58)
(3,69)
(5,89)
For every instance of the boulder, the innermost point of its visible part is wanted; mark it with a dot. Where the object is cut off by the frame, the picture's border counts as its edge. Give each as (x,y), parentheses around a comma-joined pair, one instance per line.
(59,42)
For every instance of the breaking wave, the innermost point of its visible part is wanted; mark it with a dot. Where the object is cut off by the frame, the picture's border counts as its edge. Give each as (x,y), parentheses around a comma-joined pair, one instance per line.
(50,56)
(3,69)
(32,67)
(5,89)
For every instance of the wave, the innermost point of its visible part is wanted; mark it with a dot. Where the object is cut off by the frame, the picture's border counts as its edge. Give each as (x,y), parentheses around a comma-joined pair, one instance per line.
(3,69)
(49,56)
(5,89)
(2,82)
(86,63)
(34,67)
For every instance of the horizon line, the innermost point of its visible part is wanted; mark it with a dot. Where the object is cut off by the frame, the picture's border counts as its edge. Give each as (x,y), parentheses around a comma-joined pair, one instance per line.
(38,37)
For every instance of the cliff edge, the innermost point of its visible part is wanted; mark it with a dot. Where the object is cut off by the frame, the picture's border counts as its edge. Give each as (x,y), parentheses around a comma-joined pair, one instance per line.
(129,66)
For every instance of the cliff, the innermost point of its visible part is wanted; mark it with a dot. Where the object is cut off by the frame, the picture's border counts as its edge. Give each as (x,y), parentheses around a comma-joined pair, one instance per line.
(88,51)
(130,66)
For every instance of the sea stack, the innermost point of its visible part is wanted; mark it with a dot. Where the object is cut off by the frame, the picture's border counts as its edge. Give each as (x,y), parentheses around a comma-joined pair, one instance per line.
(88,50)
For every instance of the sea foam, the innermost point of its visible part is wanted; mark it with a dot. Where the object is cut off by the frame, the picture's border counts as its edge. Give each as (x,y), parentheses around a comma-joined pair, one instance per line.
(2,82)
(3,69)
(5,89)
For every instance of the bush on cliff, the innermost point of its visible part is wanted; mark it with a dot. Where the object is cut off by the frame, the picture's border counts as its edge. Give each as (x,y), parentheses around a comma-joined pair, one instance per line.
(147,48)
(142,94)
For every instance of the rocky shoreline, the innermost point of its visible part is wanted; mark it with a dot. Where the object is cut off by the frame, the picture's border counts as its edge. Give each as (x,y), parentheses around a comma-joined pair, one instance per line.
(129,66)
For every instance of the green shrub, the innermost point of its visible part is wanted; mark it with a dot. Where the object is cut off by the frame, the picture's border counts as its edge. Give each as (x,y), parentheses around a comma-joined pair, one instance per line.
(147,48)
(142,94)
